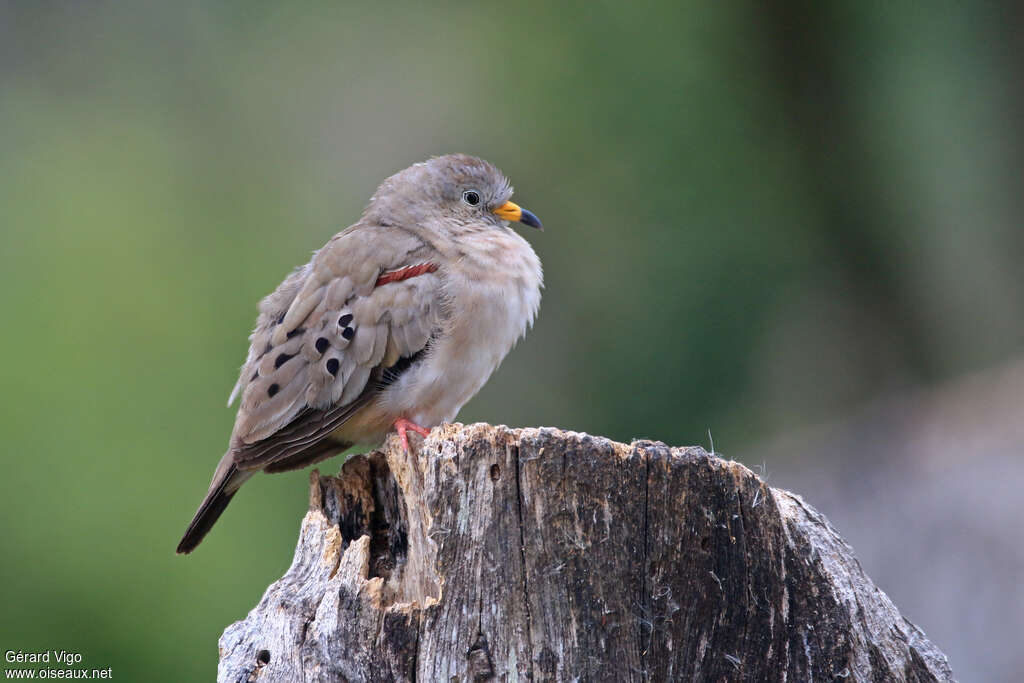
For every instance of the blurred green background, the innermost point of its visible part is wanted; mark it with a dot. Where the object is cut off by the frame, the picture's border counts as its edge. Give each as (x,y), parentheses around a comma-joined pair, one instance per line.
(759,216)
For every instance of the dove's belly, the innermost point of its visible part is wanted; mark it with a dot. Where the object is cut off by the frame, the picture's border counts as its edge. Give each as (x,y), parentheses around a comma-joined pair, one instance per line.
(489,309)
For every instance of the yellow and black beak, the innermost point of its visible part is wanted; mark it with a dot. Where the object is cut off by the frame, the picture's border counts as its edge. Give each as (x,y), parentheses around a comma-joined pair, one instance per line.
(510,211)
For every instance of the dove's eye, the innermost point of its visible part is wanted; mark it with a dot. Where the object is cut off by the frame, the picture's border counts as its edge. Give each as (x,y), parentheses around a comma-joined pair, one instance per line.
(471,197)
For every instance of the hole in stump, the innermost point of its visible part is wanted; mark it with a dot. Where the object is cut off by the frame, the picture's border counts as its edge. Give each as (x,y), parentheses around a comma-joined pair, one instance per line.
(705,542)
(495,472)
(263,657)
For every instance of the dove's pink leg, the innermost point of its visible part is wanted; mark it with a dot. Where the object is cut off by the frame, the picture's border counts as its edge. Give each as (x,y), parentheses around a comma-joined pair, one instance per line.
(402,425)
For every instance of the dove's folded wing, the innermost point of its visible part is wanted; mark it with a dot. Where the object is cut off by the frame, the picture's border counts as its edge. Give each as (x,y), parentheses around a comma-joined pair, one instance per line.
(325,339)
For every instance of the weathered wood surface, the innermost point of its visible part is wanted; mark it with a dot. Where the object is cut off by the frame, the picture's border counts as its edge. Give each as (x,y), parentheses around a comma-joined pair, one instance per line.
(519,554)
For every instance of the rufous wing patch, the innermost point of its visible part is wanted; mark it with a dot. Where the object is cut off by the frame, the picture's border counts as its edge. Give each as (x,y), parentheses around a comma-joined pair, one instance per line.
(405,273)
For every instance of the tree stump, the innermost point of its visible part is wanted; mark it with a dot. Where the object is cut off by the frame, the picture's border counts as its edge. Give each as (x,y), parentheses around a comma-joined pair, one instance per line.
(538,554)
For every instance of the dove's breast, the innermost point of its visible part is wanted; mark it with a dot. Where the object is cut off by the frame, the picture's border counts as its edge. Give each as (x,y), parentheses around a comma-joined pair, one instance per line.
(491,296)
(488,298)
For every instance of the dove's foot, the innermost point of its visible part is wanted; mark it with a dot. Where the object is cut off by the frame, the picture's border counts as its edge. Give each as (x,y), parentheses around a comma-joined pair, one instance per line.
(402,426)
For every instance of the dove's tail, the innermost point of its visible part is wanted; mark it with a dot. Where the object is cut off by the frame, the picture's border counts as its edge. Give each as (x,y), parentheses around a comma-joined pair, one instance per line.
(226,481)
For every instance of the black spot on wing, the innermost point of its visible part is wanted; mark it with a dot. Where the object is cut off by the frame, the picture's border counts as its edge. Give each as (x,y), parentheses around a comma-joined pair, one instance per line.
(322,344)
(332,367)
(282,359)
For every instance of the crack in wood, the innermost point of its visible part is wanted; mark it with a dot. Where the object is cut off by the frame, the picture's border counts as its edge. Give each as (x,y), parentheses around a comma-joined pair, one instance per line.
(645,598)
(513,452)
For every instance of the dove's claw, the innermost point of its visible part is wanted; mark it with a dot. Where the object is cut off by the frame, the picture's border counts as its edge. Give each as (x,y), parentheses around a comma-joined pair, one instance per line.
(402,426)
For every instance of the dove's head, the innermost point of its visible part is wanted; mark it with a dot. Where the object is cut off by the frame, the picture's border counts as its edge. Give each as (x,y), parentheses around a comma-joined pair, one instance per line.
(454,192)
